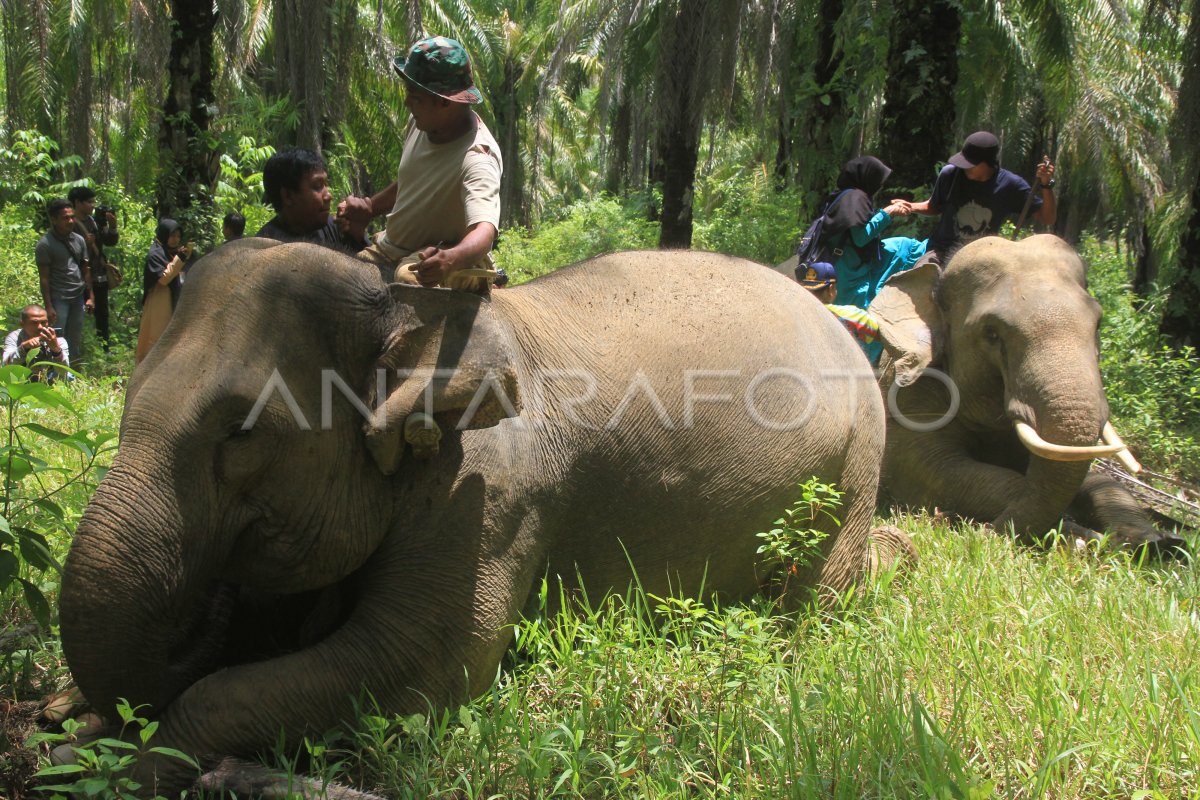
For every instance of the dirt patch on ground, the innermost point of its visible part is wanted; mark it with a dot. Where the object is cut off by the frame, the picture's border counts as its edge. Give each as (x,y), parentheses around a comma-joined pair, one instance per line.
(18,721)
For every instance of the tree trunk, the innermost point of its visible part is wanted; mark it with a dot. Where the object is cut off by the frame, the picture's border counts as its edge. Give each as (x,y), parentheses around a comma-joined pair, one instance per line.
(922,69)
(827,110)
(14,55)
(513,205)
(1181,321)
(188,158)
(682,104)
(301,31)
(618,145)
(79,104)
(412,18)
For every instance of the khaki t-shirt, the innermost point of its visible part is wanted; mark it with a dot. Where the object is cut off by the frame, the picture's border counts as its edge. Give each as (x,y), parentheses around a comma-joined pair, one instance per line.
(444,189)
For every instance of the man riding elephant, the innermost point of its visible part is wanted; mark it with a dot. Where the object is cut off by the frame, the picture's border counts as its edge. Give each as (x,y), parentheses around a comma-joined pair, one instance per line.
(443,209)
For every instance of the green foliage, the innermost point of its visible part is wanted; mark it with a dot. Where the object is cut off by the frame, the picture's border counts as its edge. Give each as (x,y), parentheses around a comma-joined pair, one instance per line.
(1153,389)
(588,228)
(30,176)
(749,217)
(34,488)
(102,767)
(241,181)
(795,541)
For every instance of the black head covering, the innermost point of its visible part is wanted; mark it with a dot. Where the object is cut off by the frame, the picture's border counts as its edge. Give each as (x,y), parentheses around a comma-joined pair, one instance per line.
(864,177)
(166,226)
(159,256)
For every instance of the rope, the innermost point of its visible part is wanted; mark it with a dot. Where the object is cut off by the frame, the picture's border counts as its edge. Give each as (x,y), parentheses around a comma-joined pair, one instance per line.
(1171,505)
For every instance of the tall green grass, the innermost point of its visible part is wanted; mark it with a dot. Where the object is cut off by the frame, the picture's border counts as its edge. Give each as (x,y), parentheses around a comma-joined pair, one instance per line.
(1153,388)
(991,670)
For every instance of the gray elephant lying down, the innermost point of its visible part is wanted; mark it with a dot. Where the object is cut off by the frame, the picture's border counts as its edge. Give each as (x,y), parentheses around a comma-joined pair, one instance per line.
(1008,332)
(259,555)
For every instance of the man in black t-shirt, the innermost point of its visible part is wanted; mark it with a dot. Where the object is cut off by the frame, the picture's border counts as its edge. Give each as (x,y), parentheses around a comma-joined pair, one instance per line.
(973,195)
(296,184)
(97,235)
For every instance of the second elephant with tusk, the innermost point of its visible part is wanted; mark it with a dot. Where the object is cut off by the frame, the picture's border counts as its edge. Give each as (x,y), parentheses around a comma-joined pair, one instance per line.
(991,371)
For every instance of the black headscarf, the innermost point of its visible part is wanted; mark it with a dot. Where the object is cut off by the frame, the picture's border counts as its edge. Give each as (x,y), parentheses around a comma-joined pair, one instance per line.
(864,177)
(159,256)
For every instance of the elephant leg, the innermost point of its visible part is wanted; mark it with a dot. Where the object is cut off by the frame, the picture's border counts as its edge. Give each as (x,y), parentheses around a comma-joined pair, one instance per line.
(1103,504)
(938,470)
(431,622)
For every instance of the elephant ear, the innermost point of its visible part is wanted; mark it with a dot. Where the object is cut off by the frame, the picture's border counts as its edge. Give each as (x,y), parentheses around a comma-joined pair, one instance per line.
(910,322)
(447,355)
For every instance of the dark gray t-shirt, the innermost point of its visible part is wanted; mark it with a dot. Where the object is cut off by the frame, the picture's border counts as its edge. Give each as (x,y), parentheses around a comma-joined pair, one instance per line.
(64,260)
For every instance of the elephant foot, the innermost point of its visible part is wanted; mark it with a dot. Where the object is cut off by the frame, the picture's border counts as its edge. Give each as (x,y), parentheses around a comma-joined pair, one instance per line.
(1157,544)
(63,704)
(423,433)
(1150,542)
(888,547)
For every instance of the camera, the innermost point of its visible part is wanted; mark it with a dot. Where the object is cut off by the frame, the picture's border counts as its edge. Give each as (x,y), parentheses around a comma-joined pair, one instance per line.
(101,214)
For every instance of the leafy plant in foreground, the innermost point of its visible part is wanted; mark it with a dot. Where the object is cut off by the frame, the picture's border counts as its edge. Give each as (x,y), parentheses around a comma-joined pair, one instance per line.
(795,541)
(30,509)
(102,767)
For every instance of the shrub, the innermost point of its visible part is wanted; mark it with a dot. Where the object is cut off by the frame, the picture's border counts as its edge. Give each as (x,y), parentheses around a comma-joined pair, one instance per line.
(1153,390)
(589,228)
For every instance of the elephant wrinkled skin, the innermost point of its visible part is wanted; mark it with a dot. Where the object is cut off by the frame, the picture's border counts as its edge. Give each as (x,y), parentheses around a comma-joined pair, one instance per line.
(637,409)
(1011,328)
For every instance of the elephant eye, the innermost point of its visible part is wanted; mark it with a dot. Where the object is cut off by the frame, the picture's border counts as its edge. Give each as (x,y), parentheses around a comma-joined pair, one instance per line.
(991,335)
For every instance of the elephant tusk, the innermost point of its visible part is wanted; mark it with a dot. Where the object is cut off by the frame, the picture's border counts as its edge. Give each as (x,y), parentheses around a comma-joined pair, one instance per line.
(1110,436)
(1061,452)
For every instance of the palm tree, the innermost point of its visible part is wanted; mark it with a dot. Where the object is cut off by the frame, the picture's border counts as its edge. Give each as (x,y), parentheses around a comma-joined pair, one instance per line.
(1180,321)
(696,67)
(922,74)
(188,158)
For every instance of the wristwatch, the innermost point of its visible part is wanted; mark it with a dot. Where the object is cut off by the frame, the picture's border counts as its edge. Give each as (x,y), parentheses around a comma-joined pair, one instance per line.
(1049,184)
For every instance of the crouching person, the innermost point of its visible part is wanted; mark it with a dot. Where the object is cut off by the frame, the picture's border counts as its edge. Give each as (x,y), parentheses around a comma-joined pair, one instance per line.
(35,333)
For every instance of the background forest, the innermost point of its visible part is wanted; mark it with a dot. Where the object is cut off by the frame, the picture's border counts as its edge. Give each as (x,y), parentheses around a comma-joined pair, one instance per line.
(989,670)
(693,108)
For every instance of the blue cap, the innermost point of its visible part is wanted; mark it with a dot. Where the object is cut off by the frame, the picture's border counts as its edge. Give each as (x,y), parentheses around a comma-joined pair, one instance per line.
(818,275)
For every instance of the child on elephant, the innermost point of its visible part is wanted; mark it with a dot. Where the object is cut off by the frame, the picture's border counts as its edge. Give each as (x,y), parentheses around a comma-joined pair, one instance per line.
(821,281)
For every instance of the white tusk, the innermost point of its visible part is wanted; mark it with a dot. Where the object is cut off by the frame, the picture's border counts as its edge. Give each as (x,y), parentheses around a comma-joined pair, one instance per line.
(1110,436)
(1061,452)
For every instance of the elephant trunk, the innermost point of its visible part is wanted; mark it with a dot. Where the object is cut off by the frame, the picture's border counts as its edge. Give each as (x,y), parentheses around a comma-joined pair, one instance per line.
(126,595)
(1060,429)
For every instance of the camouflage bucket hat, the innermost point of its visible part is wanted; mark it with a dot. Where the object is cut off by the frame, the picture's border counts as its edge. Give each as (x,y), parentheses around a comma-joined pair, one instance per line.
(441,66)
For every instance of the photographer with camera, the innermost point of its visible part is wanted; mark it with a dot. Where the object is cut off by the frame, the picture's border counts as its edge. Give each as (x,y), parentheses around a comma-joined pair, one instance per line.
(98,226)
(35,333)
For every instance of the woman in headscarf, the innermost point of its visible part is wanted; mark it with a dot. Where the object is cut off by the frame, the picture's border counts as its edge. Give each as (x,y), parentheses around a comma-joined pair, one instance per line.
(166,260)
(162,279)
(854,230)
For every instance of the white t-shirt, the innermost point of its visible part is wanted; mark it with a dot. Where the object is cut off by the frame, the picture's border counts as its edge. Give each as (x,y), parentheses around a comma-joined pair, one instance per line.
(444,189)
